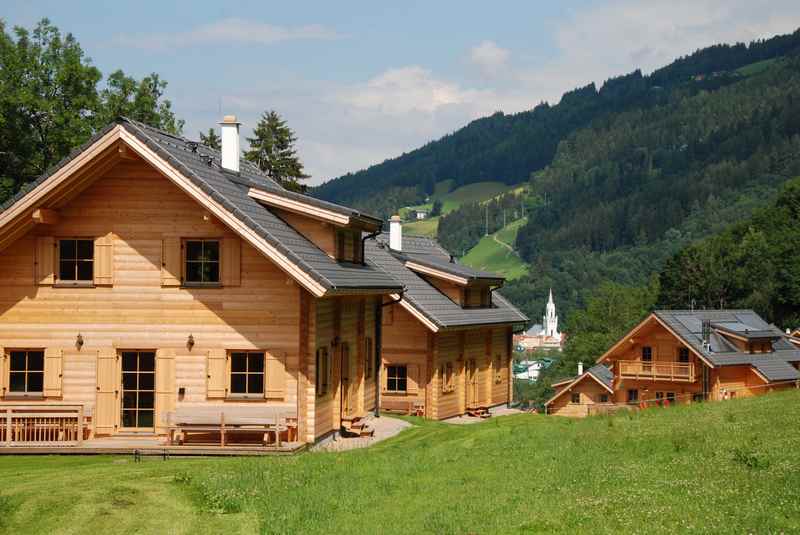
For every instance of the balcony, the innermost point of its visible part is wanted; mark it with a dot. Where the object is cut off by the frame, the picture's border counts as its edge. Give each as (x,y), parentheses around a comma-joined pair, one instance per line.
(656,371)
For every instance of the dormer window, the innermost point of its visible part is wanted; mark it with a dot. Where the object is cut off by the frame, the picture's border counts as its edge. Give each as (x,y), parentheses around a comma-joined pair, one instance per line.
(348,245)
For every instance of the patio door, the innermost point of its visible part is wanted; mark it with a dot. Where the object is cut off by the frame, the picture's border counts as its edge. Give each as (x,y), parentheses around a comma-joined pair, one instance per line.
(138,391)
(348,381)
(472,383)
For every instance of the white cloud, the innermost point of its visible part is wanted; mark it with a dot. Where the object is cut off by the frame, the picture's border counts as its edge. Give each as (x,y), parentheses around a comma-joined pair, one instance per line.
(489,57)
(227,31)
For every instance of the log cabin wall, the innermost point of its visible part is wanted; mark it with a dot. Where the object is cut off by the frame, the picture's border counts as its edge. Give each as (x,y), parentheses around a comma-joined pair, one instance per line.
(141,215)
(405,343)
(449,351)
(589,393)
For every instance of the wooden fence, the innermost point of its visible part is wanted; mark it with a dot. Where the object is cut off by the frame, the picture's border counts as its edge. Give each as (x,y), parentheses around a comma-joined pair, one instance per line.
(41,425)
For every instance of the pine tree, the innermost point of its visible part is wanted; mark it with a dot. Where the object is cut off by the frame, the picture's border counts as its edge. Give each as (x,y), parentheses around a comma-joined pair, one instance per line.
(211,139)
(272,150)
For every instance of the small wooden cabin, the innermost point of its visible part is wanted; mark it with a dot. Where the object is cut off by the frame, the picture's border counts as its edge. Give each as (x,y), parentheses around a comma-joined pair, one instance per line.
(446,341)
(148,273)
(681,356)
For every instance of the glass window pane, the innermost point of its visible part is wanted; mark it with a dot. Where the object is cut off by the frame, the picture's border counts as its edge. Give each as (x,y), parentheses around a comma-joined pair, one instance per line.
(17,360)
(401,371)
(194,272)
(211,250)
(255,362)
(238,362)
(129,418)
(85,271)
(391,383)
(129,363)
(146,381)
(36,361)
(401,384)
(129,381)
(147,362)
(66,270)
(85,249)
(17,382)
(238,383)
(129,400)
(145,400)
(255,383)
(194,250)
(66,249)
(35,381)
(145,419)
(211,272)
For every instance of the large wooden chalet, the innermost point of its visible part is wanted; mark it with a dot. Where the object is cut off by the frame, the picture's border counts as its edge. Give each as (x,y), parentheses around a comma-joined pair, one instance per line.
(680,356)
(150,281)
(447,341)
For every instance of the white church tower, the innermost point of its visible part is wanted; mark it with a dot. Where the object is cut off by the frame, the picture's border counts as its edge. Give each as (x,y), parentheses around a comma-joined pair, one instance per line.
(550,320)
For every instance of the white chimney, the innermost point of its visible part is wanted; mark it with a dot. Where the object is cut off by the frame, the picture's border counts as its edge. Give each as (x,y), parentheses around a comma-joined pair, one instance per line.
(230,143)
(580,368)
(396,233)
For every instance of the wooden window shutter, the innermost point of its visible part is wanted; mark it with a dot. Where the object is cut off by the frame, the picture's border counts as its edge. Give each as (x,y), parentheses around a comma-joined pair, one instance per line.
(384,378)
(45,260)
(106,409)
(217,374)
(53,363)
(231,262)
(276,375)
(104,260)
(3,371)
(412,379)
(165,387)
(171,261)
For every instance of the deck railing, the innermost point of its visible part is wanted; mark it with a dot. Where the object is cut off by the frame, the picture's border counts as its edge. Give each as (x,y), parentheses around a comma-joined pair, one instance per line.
(41,425)
(656,371)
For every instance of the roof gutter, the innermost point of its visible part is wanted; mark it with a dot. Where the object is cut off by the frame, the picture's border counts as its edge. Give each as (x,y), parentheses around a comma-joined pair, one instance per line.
(363,244)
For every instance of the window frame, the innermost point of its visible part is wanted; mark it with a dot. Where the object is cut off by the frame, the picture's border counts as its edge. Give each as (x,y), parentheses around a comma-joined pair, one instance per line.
(603,398)
(633,395)
(396,378)
(72,283)
(647,354)
(446,372)
(26,394)
(322,362)
(247,373)
(681,352)
(573,396)
(185,263)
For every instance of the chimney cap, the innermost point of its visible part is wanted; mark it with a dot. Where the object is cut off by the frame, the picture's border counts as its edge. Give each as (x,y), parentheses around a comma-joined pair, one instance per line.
(395,219)
(229,119)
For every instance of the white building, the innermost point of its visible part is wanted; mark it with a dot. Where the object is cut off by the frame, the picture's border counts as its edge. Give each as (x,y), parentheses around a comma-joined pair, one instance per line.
(544,336)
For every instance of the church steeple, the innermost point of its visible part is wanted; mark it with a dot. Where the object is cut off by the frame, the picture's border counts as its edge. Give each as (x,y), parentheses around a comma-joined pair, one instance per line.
(550,319)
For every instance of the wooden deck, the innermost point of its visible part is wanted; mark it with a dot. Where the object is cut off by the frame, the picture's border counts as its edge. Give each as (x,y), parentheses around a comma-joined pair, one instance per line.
(152,446)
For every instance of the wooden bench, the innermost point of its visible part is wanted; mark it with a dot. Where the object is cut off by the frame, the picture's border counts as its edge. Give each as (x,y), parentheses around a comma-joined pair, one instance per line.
(402,405)
(227,421)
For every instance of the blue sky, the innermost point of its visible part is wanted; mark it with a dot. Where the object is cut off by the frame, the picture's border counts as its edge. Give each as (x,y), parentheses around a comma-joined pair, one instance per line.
(364,81)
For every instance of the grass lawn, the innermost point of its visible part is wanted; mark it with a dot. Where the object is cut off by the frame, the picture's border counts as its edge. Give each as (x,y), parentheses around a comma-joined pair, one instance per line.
(489,255)
(476,192)
(424,227)
(718,467)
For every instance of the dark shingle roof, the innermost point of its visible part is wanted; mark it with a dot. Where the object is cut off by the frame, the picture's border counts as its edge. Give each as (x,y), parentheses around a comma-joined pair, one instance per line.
(442,264)
(602,374)
(428,300)
(231,191)
(688,325)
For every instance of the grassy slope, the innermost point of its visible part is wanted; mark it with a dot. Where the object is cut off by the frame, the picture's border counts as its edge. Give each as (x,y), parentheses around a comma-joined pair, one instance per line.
(491,256)
(729,466)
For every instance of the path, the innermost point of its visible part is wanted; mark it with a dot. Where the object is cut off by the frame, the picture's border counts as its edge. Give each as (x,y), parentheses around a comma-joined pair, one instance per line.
(385,427)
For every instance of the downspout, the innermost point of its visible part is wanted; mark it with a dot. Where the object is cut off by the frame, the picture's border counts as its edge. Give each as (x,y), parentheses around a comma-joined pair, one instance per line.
(491,290)
(378,343)
(364,241)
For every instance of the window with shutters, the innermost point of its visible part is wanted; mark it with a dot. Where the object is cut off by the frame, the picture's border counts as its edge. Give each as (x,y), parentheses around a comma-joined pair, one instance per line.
(323,371)
(369,359)
(201,259)
(247,374)
(446,373)
(26,372)
(75,261)
(397,379)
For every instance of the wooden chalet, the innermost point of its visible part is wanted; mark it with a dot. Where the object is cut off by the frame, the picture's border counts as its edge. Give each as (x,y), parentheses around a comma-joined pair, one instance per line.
(151,286)
(446,342)
(681,356)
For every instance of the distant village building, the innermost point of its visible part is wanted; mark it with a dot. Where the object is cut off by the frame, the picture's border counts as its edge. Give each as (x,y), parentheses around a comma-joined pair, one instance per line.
(422,214)
(544,336)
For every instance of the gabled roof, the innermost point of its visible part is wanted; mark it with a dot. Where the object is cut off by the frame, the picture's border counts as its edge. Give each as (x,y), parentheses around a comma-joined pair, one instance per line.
(687,325)
(425,301)
(195,168)
(434,265)
(599,372)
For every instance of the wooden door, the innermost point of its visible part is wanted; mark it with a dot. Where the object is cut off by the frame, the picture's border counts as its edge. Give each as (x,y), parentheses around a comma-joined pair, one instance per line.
(106,408)
(138,390)
(472,383)
(348,381)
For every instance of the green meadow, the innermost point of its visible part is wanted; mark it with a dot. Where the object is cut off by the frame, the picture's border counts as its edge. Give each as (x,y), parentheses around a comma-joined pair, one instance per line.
(731,466)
